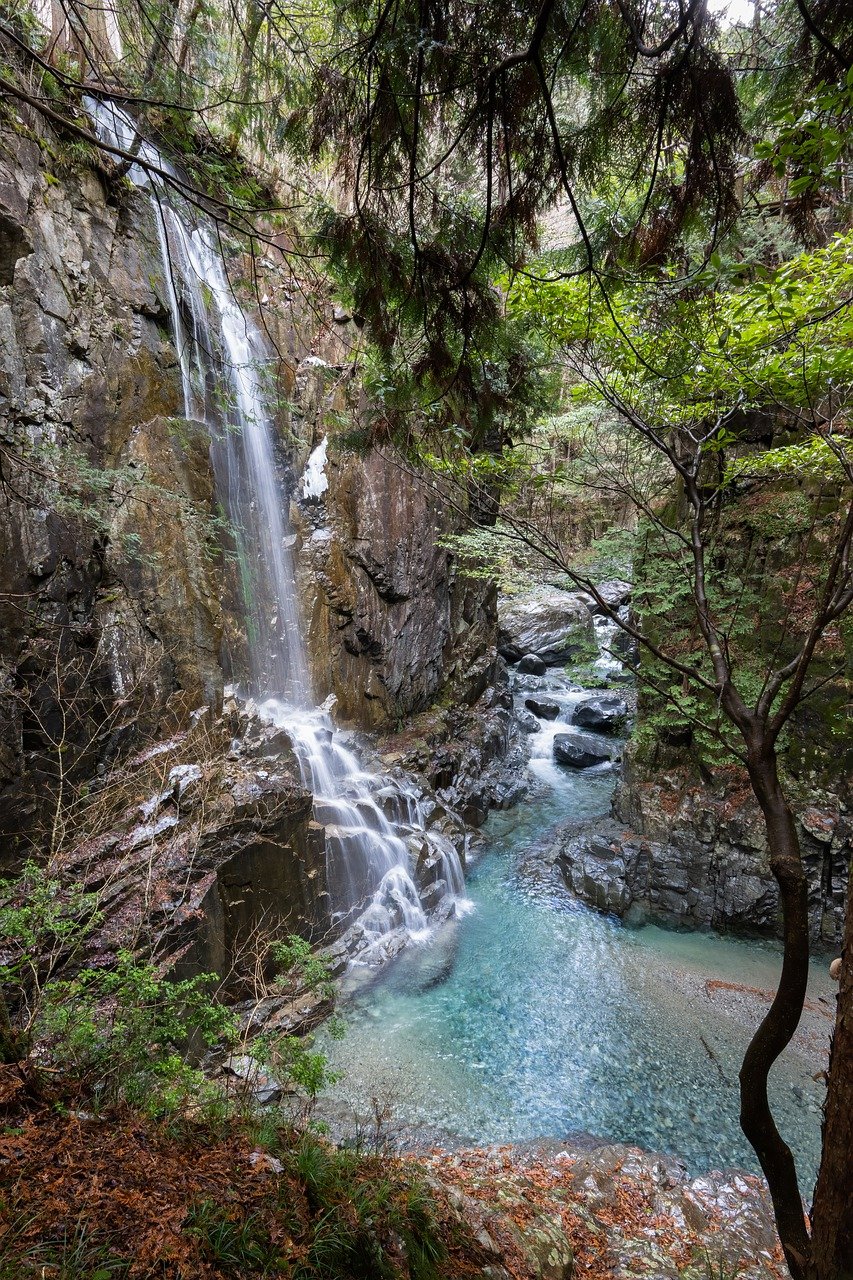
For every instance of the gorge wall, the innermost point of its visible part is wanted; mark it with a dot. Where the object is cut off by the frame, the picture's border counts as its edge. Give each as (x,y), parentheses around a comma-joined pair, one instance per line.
(119,612)
(688,844)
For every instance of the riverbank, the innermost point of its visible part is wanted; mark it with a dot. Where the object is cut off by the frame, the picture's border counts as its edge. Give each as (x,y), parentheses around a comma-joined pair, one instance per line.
(117,1195)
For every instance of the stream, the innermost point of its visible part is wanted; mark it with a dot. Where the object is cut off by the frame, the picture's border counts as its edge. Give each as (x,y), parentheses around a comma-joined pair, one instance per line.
(529,1015)
(535,1016)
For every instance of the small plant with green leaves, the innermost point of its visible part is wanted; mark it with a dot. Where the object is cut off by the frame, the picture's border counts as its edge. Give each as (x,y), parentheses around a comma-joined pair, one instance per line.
(234,1246)
(43,926)
(130,1033)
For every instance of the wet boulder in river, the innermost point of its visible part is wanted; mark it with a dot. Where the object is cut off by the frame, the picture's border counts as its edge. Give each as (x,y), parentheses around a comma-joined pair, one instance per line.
(605,713)
(532,664)
(527,722)
(542,708)
(555,625)
(614,592)
(579,750)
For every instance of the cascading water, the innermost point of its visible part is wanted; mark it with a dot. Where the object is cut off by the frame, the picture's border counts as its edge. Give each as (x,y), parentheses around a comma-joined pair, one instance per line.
(223,360)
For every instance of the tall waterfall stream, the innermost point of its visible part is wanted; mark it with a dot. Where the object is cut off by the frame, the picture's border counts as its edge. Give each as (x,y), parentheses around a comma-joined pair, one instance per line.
(223,361)
(531,1015)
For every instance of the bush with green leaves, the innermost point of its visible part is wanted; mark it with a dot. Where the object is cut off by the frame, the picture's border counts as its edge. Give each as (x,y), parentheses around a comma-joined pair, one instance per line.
(131,1033)
(128,1030)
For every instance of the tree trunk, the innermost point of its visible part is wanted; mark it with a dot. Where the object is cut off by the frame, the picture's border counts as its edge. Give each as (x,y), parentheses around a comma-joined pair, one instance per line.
(781,1019)
(832,1214)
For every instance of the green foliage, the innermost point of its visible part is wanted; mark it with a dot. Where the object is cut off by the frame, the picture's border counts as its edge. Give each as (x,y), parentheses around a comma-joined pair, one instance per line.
(129,1032)
(810,139)
(291,1058)
(233,1246)
(809,459)
(689,357)
(359,1209)
(95,498)
(298,966)
(21,19)
(69,1255)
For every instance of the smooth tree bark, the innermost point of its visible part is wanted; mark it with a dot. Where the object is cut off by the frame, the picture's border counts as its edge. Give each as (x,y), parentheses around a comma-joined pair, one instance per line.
(780,1023)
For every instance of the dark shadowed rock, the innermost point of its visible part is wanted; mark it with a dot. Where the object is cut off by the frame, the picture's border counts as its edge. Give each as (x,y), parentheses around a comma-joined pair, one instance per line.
(509,652)
(532,664)
(542,708)
(579,750)
(606,713)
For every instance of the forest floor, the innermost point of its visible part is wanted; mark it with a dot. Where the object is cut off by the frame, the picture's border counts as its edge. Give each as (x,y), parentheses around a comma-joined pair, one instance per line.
(119,1196)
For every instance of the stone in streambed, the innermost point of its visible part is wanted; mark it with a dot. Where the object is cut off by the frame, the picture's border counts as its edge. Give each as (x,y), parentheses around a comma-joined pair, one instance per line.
(532,664)
(527,722)
(614,592)
(542,708)
(579,750)
(555,625)
(604,714)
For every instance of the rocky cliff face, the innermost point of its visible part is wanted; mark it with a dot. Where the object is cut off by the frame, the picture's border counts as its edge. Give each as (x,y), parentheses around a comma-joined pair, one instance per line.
(392,622)
(119,614)
(702,857)
(107,589)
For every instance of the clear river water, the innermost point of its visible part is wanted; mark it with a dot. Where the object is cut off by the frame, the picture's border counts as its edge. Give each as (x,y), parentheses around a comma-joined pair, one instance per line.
(534,1016)
(528,1015)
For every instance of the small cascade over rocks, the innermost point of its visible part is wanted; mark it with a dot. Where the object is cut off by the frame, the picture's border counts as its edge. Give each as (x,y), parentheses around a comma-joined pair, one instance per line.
(378,841)
(388,875)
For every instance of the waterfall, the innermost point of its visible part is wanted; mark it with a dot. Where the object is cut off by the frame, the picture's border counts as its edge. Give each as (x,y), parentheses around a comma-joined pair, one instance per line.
(375,832)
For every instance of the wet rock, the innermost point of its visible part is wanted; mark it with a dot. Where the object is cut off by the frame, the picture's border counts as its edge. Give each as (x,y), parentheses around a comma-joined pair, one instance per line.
(638,1214)
(528,684)
(253,1079)
(682,884)
(527,722)
(707,862)
(579,750)
(510,652)
(554,625)
(392,623)
(603,714)
(543,708)
(614,592)
(532,664)
(15,243)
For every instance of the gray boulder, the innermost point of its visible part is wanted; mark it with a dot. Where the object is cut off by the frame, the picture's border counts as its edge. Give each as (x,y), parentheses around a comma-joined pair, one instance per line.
(542,708)
(605,713)
(615,592)
(532,664)
(579,750)
(555,625)
(527,722)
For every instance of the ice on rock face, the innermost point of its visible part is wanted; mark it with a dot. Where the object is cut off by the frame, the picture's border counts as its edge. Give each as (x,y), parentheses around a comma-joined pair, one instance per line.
(315,482)
(225,371)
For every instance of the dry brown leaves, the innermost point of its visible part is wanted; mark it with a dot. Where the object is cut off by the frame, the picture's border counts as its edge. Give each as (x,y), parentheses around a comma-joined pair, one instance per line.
(130,1184)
